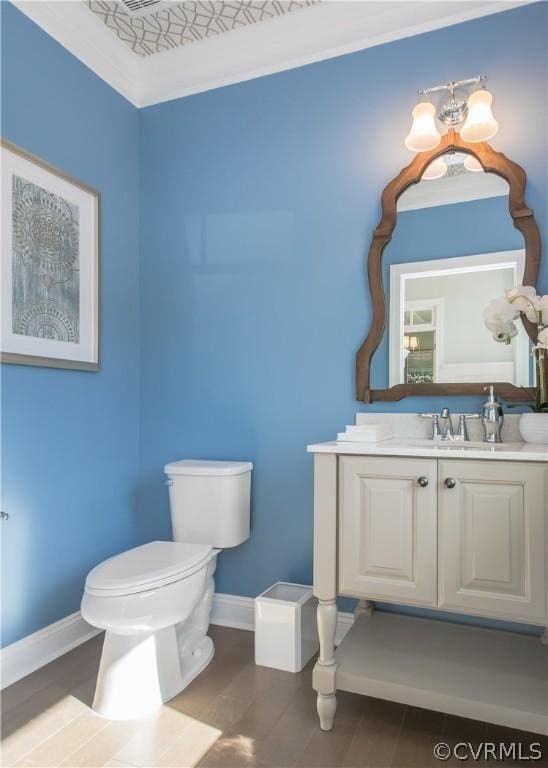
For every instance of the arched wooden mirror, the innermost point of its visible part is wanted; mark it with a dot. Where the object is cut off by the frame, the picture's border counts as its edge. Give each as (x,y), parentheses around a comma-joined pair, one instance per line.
(444,248)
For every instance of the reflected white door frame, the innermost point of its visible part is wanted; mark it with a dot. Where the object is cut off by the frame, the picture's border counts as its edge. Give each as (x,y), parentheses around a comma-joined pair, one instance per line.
(483,262)
(416,305)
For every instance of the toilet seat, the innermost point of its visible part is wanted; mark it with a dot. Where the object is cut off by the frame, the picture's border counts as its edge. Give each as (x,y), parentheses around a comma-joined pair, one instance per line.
(147,567)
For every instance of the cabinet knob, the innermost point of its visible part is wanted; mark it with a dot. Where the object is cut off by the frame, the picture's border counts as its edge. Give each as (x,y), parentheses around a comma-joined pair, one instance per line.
(450,482)
(423,482)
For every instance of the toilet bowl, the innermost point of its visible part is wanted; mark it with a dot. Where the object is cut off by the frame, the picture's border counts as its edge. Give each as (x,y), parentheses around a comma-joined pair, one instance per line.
(154,601)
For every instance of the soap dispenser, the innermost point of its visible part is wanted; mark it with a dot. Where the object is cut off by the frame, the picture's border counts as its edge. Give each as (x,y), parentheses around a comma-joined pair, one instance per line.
(492,418)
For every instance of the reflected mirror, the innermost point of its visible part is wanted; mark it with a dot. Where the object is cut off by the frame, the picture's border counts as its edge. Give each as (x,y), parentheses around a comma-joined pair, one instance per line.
(453,250)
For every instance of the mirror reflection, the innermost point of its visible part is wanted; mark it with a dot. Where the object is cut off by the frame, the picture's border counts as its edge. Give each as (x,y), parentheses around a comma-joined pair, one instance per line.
(454,249)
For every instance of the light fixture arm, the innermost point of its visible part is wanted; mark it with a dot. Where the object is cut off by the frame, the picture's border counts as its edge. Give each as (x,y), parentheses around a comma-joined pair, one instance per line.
(453,85)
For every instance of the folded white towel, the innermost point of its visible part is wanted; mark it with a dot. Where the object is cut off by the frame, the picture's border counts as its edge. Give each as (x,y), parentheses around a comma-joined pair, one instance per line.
(365,433)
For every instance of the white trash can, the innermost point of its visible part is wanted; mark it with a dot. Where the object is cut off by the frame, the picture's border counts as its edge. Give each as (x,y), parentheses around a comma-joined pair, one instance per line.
(286,633)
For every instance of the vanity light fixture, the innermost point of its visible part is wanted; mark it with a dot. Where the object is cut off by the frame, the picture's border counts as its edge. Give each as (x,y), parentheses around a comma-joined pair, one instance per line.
(435,170)
(480,124)
(472,164)
(464,105)
(424,134)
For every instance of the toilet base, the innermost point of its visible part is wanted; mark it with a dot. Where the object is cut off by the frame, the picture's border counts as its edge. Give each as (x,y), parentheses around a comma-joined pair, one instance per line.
(139,673)
(201,657)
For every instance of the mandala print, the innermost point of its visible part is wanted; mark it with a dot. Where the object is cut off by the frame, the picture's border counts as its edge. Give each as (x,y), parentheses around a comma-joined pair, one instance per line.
(45,232)
(45,266)
(45,321)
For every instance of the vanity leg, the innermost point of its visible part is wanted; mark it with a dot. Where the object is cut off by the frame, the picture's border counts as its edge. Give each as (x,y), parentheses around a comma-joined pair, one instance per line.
(544,636)
(364,608)
(327,624)
(327,706)
(325,584)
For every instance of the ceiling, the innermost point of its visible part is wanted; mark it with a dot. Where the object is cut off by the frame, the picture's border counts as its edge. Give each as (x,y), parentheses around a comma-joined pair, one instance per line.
(161,26)
(166,50)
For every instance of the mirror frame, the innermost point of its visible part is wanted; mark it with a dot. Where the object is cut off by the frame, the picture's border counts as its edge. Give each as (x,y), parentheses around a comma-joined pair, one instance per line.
(523,219)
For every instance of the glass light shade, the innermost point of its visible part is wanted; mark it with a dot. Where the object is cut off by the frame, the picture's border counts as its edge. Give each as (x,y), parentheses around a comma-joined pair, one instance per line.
(480,125)
(423,134)
(413,343)
(472,164)
(435,170)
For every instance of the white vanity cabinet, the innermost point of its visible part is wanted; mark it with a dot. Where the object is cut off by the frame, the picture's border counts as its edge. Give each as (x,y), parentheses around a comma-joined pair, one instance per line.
(388,529)
(492,539)
(463,531)
(487,518)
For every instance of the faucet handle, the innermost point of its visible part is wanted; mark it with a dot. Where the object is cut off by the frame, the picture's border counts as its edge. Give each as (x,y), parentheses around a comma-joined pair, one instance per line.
(462,431)
(434,417)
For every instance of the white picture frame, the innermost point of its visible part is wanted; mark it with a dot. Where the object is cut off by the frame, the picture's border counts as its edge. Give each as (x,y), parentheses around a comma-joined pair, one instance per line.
(49,293)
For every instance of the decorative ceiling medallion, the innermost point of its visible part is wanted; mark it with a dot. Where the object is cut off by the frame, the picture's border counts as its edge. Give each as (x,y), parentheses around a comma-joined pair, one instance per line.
(174,24)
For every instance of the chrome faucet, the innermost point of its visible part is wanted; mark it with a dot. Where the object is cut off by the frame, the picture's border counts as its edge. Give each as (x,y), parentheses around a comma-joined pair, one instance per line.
(446,426)
(442,425)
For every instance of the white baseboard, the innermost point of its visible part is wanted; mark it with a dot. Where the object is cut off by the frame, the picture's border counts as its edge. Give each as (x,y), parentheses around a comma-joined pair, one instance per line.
(233,611)
(34,651)
(239,613)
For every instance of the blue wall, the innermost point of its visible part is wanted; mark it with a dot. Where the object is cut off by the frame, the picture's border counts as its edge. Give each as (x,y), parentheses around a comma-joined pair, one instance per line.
(256,206)
(70,439)
(258,203)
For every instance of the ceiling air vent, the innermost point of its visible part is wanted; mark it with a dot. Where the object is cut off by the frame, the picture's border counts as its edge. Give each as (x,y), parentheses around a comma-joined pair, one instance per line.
(143,7)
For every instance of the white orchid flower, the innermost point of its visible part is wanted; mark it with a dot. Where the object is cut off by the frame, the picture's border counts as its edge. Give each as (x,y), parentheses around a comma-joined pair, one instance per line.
(504,333)
(542,340)
(499,317)
(524,298)
(500,310)
(541,305)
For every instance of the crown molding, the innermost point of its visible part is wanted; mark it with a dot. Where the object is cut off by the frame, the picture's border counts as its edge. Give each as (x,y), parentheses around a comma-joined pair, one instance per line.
(323,31)
(72,24)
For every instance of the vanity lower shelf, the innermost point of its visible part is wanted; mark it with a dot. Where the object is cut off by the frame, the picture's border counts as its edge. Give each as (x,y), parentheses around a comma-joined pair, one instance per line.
(482,674)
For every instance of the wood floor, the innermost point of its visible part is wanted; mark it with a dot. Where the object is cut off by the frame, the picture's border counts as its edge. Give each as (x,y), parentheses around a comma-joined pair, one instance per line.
(234,715)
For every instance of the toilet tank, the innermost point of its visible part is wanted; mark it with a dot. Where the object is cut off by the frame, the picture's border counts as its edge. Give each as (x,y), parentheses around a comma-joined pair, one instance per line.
(210,501)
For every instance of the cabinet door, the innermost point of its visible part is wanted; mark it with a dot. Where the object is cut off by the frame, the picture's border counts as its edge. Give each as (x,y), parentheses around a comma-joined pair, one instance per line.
(492,538)
(387,529)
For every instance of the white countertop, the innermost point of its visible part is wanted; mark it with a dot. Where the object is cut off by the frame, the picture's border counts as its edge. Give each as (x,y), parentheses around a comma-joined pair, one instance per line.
(402,446)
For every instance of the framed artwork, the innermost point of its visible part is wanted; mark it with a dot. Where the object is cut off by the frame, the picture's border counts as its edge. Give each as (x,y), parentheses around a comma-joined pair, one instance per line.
(50,265)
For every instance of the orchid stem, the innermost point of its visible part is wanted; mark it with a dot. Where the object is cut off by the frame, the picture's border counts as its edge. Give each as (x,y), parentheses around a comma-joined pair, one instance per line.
(542,396)
(541,377)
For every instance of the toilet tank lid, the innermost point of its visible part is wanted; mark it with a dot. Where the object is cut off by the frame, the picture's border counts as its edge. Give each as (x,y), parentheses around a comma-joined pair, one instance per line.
(212,468)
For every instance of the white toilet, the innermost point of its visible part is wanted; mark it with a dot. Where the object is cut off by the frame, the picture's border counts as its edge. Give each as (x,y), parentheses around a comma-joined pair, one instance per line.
(154,601)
